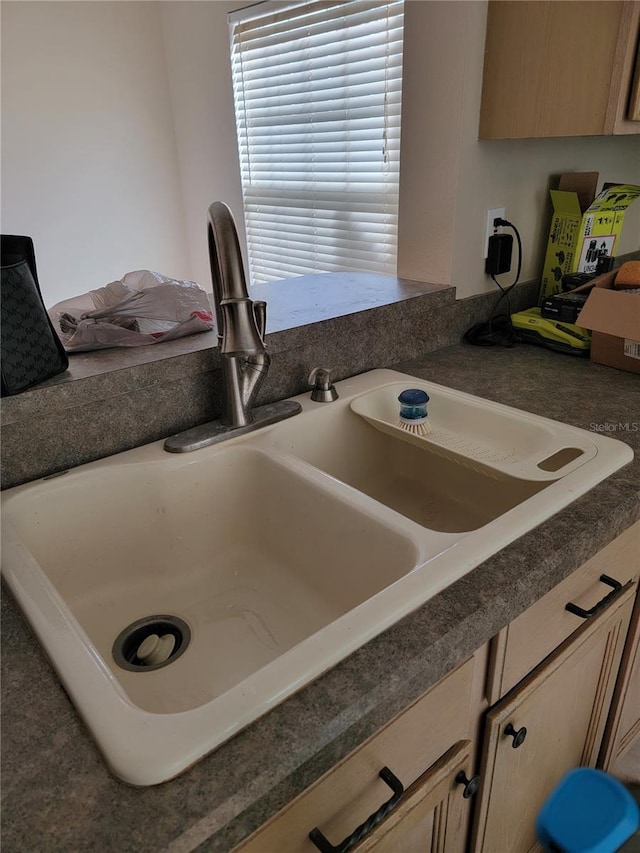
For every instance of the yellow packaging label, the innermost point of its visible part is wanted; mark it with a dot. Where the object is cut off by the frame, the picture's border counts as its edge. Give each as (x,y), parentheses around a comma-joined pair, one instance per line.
(602,226)
(577,240)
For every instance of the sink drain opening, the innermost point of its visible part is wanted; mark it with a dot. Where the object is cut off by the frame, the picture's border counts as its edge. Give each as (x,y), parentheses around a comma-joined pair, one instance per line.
(151,643)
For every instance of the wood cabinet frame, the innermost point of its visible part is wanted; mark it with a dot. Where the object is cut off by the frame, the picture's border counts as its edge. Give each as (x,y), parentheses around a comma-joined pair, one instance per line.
(560,69)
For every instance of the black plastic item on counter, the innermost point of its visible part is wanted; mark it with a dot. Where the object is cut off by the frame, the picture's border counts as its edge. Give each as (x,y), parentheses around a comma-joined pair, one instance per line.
(31,351)
(576,279)
(563,307)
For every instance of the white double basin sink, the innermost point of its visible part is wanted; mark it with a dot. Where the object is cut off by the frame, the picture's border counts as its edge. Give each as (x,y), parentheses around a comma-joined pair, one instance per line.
(281,552)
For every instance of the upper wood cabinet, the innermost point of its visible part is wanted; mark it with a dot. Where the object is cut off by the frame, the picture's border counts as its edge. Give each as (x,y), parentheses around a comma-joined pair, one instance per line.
(560,68)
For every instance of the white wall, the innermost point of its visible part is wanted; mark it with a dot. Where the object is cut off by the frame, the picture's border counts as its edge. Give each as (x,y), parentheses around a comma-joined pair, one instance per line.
(429,144)
(449,179)
(89,162)
(196,37)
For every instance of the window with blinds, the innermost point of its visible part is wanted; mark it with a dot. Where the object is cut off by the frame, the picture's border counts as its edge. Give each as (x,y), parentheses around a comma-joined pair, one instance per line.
(317,98)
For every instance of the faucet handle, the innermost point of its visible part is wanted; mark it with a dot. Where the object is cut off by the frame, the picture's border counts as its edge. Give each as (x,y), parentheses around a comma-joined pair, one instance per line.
(260,313)
(323,389)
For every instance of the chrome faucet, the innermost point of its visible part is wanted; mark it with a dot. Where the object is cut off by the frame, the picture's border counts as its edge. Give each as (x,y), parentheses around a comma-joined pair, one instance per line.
(241,324)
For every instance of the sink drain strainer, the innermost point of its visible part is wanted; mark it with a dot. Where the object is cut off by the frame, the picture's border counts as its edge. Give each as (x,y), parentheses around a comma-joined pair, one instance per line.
(151,643)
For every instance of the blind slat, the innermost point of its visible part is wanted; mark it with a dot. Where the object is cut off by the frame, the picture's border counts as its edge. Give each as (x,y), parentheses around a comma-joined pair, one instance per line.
(318,99)
(277,199)
(366,120)
(325,240)
(319,49)
(273,98)
(381,226)
(359,140)
(251,23)
(298,64)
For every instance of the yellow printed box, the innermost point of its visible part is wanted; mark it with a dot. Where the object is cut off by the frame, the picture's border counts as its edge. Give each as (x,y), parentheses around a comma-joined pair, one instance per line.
(583,229)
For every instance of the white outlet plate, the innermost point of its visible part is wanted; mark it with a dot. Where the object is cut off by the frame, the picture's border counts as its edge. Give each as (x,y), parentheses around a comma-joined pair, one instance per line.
(494,213)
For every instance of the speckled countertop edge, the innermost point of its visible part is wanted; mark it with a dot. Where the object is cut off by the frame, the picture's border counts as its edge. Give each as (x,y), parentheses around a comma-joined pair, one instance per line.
(57,793)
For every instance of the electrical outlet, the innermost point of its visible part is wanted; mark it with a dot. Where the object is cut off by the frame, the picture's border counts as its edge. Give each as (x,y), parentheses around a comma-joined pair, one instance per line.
(495,213)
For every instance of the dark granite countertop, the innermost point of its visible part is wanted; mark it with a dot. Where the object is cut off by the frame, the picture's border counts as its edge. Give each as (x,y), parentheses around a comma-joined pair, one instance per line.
(58,795)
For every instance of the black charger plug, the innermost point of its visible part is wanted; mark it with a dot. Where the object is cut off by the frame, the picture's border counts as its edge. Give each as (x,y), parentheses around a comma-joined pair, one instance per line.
(499,253)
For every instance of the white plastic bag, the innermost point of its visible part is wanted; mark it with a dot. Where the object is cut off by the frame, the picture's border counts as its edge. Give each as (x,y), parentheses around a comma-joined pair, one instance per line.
(143,308)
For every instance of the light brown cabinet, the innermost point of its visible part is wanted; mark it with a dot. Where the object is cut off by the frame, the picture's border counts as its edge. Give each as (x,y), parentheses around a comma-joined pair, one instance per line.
(425,748)
(541,629)
(623,726)
(554,672)
(551,722)
(560,69)
(430,815)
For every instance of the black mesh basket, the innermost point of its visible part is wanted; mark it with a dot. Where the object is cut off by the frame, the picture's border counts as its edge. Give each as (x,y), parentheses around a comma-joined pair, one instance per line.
(31,350)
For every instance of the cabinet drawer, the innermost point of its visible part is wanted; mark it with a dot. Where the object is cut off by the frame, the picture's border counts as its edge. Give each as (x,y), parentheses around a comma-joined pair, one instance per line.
(350,792)
(526,641)
(431,814)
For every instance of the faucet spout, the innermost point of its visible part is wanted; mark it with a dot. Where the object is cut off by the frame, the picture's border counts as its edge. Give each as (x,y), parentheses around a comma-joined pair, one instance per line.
(227,272)
(241,322)
(245,361)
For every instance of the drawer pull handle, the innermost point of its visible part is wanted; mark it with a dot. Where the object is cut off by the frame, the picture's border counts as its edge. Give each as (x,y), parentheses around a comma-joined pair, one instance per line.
(470,785)
(587,614)
(325,846)
(518,736)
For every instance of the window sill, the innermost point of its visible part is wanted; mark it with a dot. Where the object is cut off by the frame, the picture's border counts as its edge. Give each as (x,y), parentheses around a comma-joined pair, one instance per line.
(291,303)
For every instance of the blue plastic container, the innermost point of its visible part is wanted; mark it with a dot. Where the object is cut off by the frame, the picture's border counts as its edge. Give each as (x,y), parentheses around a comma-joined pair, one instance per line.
(588,812)
(413,405)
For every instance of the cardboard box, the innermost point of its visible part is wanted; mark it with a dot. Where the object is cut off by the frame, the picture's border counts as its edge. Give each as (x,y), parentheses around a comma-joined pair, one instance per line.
(583,228)
(614,319)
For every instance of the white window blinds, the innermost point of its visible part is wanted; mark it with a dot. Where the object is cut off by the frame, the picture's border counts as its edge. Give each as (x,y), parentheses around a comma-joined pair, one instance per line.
(317,95)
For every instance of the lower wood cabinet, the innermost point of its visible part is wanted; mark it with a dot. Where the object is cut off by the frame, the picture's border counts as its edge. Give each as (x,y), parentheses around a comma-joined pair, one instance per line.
(623,726)
(431,815)
(551,722)
(542,628)
(562,688)
(421,747)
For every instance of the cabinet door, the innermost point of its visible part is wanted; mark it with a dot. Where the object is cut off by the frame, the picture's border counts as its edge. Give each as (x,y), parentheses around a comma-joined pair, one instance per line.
(350,792)
(558,69)
(562,706)
(623,725)
(431,816)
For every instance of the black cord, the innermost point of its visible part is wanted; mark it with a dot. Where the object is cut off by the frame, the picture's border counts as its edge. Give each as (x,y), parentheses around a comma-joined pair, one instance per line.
(507,291)
(499,330)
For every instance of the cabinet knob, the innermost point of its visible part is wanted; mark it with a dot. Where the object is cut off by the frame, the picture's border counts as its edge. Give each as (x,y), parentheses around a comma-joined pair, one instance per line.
(518,736)
(470,785)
